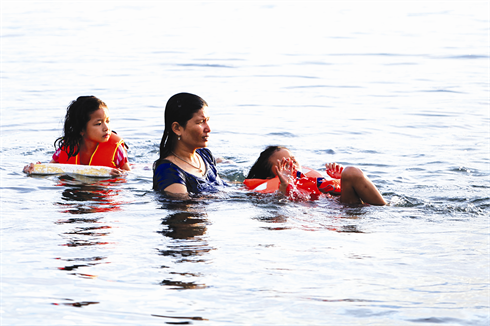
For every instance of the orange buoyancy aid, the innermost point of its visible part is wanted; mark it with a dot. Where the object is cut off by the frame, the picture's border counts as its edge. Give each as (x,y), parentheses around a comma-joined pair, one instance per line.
(309,182)
(103,155)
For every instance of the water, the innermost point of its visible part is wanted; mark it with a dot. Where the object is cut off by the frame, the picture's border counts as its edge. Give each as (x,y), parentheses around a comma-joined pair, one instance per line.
(398,89)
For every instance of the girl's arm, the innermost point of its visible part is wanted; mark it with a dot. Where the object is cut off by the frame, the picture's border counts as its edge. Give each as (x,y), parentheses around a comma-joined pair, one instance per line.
(121,156)
(120,171)
(126,166)
(30,167)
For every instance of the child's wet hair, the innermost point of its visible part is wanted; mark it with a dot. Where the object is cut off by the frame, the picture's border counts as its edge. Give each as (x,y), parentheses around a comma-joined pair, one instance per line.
(76,119)
(262,168)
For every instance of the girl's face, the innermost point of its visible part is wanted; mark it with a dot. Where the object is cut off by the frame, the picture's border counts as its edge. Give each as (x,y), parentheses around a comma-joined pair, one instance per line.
(196,132)
(97,128)
(279,155)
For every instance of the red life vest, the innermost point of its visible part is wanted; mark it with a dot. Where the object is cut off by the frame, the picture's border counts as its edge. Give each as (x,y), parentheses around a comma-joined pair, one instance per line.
(310,183)
(103,155)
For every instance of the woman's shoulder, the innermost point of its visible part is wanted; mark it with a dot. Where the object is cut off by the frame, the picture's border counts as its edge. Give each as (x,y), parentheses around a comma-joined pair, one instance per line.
(167,173)
(166,166)
(168,169)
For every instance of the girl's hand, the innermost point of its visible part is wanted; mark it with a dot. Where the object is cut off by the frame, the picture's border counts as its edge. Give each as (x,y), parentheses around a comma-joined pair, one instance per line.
(29,168)
(284,170)
(117,172)
(334,170)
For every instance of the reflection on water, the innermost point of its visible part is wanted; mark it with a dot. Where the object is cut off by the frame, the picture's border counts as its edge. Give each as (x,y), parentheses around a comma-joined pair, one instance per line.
(185,230)
(93,231)
(307,215)
(184,225)
(81,197)
(273,218)
(180,323)
(84,198)
(76,304)
(91,261)
(78,220)
(349,229)
(179,285)
(80,243)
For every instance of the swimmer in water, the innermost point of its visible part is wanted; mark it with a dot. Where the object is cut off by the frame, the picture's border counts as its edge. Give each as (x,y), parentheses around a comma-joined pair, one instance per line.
(88,138)
(185,164)
(278,161)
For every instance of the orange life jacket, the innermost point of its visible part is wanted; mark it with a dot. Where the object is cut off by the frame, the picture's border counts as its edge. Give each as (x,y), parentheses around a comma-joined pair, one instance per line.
(310,183)
(103,155)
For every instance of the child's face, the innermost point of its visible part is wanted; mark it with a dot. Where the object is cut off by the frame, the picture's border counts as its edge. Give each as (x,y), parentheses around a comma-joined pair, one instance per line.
(279,155)
(98,128)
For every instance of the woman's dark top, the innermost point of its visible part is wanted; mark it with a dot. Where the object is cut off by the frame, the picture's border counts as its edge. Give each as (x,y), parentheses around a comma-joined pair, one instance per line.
(168,173)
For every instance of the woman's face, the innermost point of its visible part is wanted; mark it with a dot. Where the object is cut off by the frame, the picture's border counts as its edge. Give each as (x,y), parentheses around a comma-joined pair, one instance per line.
(279,155)
(196,132)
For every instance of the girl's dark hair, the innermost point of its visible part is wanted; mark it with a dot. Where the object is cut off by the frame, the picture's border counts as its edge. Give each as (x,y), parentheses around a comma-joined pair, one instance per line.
(77,115)
(262,168)
(180,108)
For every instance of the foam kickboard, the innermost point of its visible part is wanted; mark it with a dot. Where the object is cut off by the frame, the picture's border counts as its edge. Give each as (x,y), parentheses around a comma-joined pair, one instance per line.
(88,170)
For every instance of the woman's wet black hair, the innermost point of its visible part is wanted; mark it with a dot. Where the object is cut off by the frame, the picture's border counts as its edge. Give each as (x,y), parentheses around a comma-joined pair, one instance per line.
(180,108)
(262,168)
(77,115)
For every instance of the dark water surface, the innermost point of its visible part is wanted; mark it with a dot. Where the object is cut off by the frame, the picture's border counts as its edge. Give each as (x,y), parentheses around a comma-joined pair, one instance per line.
(398,89)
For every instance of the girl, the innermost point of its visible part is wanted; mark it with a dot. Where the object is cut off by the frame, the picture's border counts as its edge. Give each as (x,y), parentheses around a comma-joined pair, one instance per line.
(88,139)
(278,161)
(185,165)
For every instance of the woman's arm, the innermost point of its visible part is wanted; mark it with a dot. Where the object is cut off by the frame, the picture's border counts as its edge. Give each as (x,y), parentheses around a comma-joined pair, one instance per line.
(169,179)
(223,160)
(176,188)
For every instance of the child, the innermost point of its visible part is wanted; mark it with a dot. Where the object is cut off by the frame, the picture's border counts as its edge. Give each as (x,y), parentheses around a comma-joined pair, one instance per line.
(88,139)
(278,161)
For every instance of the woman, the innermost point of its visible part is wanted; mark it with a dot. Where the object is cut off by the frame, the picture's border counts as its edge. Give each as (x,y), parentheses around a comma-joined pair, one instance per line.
(185,165)
(278,161)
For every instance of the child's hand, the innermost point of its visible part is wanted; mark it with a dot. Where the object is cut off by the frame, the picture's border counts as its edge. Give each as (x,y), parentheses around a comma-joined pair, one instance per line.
(334,170)
(117,172)
(285,169)
(29,168)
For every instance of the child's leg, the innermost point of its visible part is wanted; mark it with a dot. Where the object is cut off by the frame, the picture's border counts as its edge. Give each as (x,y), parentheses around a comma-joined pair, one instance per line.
(357,188)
